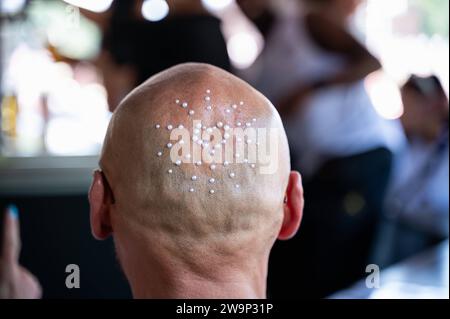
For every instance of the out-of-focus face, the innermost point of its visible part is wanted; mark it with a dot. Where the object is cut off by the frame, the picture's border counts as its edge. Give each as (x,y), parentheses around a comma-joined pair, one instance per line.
(414,111)
(425,107)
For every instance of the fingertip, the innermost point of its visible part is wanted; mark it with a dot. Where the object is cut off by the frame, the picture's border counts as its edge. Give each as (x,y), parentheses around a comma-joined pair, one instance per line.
(34,288)
(37,288)
(298,177)
(13,211)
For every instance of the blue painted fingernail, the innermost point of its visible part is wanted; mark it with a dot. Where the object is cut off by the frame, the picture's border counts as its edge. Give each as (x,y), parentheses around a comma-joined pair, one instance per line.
(13,210)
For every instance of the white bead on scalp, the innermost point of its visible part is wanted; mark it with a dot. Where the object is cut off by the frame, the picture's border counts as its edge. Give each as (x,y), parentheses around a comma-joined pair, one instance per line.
(239,124)
(207,98)
(232,175)
(185,105)
(191,112)
(234,106)
(178,163)
(213,167)
(194,178)
(208,91)
(252,165)
(228,110)
(241,103)
(177,101)
(212,180)
(237,186)
(219,124)
(209,107)
(212,191)
(199,163)
(159,154)
(254,120)
(191,190)
(170,171)
(158,126)
(226,163)
(180,127)
(169,145)
(169,127)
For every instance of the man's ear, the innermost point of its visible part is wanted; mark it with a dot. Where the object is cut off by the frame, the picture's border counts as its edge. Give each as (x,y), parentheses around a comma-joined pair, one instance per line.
(293,207)
(100,201)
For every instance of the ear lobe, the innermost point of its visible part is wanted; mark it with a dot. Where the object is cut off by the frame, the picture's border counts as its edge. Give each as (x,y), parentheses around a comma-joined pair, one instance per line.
(293,207)
(99,208)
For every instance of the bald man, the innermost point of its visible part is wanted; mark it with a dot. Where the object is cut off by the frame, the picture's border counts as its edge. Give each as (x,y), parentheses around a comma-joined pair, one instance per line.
(195,186)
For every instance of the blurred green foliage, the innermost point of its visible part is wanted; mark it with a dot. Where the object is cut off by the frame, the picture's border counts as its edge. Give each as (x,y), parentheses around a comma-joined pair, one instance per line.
(435,16)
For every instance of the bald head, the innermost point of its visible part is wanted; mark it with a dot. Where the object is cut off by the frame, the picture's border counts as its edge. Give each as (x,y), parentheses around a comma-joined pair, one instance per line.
(198,160)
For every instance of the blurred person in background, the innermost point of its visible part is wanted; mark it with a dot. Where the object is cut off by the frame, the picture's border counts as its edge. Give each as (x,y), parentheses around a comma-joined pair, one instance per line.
(417,204)
(135,49)
(313,69)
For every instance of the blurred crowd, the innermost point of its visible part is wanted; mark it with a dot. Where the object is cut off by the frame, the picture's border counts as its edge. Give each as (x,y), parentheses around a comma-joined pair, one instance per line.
(368,200)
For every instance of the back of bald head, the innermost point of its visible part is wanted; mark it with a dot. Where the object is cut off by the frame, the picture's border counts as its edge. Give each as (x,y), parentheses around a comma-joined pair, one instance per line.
(192,200)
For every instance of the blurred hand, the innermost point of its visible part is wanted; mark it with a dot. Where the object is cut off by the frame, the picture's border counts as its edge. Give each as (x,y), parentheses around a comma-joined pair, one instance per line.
(15,281)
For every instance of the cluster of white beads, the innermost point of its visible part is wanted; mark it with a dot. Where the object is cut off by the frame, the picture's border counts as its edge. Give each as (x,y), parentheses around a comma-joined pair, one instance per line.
(206,144)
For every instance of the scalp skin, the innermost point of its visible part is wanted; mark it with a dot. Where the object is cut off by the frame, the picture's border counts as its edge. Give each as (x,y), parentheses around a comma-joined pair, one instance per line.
(157,207)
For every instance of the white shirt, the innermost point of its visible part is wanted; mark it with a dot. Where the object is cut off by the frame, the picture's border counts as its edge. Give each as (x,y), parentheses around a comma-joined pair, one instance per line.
(335,122)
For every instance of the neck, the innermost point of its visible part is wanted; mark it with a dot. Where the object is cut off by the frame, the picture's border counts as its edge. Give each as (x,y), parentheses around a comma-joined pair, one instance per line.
(195,288)
(157,266)
(185,284)
(156,273)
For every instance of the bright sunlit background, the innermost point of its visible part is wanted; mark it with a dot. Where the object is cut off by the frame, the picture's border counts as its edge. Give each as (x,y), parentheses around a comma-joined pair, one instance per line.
(94,6)
(63,111)
(409,37)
